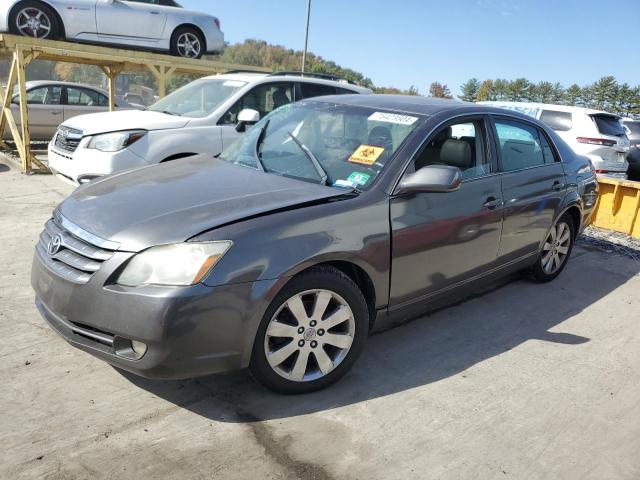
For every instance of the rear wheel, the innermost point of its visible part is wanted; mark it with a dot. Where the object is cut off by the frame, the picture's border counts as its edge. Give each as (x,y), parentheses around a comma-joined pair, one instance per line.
(555,250)
(187,42)
(311,333)
(34,19)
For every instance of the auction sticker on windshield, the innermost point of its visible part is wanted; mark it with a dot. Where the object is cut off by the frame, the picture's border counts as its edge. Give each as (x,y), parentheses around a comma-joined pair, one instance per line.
(392,118)
(359,178)
(366,154)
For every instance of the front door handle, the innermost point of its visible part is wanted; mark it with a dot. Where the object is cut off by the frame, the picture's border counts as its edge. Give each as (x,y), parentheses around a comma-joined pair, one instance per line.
(56,112)
(493,202)
(154,13)
(557,186)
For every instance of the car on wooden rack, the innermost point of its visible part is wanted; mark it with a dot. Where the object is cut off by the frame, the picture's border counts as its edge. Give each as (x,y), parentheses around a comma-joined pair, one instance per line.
(161,25)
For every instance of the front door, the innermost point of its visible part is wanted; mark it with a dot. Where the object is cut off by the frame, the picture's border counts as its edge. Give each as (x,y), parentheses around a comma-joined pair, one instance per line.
(533,185)
(45,112)
(440,239)
(142,19)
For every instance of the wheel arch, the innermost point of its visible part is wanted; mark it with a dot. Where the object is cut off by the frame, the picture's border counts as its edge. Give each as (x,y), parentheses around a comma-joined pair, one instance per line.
(177,156)
(358,275)
(14,8)
(196,28)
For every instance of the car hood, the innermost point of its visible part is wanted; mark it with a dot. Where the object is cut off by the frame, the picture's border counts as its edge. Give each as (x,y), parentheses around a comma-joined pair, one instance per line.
(171,202)
(105,122)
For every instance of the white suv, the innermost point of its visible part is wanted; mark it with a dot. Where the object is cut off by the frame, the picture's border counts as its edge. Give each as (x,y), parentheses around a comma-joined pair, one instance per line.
(595,134)
(204,116)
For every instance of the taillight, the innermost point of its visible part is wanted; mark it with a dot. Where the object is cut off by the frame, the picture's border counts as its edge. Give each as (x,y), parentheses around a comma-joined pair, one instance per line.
(597,141)
(217,22)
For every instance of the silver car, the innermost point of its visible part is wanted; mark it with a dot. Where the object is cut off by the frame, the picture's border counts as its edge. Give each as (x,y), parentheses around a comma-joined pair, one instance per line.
(50,103)
(148,24)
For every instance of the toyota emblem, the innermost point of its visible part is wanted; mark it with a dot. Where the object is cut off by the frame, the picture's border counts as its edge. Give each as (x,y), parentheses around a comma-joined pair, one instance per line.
(54,245)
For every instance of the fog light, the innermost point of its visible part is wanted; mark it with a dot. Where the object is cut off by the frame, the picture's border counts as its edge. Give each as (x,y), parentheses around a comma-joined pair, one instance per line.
(139,347)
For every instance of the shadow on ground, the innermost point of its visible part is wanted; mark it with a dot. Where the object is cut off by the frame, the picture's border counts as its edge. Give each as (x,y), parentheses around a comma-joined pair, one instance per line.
(422,351)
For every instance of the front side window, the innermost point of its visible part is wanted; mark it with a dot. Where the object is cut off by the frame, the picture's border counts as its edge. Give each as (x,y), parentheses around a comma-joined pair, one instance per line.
(559,121)
(264,98)
(459,145)
(199,98)
(519,145)
(351,144)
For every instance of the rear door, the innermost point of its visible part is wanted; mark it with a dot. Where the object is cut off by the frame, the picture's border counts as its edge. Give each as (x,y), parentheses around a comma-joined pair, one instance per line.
(533,185)
(80,101)
(440,239)
(144,19)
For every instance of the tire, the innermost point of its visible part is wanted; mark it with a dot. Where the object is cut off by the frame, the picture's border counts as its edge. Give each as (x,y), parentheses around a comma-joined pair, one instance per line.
(187,42)
(46,24)
(557,247)
(294,366)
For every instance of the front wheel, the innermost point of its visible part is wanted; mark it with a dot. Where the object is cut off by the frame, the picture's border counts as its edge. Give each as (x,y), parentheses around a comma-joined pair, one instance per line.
(33,19)
(187,42)
(311,333)
(555,250)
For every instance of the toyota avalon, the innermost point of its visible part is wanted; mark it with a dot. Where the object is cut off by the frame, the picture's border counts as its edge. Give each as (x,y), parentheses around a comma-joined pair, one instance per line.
(329,218)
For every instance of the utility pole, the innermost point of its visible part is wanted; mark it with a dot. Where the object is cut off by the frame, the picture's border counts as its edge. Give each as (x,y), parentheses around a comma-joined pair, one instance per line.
(306,36)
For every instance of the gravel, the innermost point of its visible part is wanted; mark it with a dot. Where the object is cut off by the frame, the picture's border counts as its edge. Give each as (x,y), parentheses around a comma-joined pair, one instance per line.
(611,242)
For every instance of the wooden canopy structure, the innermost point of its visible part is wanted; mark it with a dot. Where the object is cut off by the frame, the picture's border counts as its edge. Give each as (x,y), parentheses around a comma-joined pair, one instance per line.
(112,61)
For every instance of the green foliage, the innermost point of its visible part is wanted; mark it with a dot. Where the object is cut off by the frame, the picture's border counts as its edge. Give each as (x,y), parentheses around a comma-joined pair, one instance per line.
(469,90)
(605,94)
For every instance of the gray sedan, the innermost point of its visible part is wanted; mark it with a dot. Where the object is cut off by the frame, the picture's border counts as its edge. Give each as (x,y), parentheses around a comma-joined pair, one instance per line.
(50,103)
(145,24)
(329,218)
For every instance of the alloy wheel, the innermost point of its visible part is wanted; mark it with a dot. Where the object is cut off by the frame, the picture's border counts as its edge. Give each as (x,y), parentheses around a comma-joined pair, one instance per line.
(33,22)
(556,247)
(309,335)
(189,45)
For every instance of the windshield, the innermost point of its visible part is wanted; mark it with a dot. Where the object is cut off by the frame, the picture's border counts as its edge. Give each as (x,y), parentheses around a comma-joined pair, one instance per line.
(199,98)
(352,145)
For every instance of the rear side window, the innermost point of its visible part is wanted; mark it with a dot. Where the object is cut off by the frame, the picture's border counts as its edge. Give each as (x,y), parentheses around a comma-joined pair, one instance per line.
(608,125)
(559,121)
(309,90)
(344,91)
(520,145)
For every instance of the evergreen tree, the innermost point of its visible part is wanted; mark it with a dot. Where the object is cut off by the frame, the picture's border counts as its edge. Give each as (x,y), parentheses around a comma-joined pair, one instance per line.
(604,93)
(469,90)
(572,95)
(485,92)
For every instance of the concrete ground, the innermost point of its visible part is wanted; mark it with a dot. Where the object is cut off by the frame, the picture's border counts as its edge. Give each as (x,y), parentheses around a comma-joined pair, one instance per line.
(526,381)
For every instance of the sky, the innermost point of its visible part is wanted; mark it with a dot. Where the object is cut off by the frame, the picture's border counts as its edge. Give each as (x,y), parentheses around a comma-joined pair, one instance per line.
(411,42)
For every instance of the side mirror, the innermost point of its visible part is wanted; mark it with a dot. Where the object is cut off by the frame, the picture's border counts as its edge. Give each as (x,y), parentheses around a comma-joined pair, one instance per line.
(432,178)
(247,116)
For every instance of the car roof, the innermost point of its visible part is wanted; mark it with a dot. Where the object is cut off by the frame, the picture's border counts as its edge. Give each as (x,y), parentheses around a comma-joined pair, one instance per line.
(42,83)
(414,104)
(550,106)
(250,77)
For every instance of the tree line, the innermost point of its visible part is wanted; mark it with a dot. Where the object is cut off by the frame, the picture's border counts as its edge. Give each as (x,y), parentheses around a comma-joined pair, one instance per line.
(605,94)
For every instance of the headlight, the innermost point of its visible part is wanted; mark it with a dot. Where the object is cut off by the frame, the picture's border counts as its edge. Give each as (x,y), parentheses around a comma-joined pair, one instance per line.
(176,264)
(116,141)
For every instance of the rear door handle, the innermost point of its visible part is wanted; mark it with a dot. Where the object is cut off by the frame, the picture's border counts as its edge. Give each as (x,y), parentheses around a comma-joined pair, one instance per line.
(154,13)
(493,202)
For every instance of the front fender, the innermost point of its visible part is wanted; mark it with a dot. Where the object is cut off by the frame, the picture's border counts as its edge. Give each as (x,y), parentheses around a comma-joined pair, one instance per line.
(282,244)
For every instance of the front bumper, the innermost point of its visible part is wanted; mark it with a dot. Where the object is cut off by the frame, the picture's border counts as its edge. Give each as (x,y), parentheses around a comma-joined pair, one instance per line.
(88,163)
(189,331)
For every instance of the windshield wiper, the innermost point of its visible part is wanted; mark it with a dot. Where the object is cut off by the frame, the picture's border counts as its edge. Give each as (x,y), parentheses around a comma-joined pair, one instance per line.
(261,135)
(312,158)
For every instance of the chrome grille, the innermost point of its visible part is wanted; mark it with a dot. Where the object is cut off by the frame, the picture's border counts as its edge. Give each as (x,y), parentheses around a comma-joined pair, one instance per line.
(68,139)
(75,259)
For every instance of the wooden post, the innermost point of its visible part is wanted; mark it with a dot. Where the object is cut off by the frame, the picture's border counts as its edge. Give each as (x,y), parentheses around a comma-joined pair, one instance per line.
(7,96)
(25,151)
(161,73)
(112,73)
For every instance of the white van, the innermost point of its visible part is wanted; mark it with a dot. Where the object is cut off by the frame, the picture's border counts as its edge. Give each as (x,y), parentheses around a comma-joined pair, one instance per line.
(204,116)
(595,134)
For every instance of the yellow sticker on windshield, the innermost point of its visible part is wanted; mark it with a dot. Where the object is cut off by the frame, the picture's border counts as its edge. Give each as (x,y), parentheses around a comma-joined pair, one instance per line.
(366,154)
